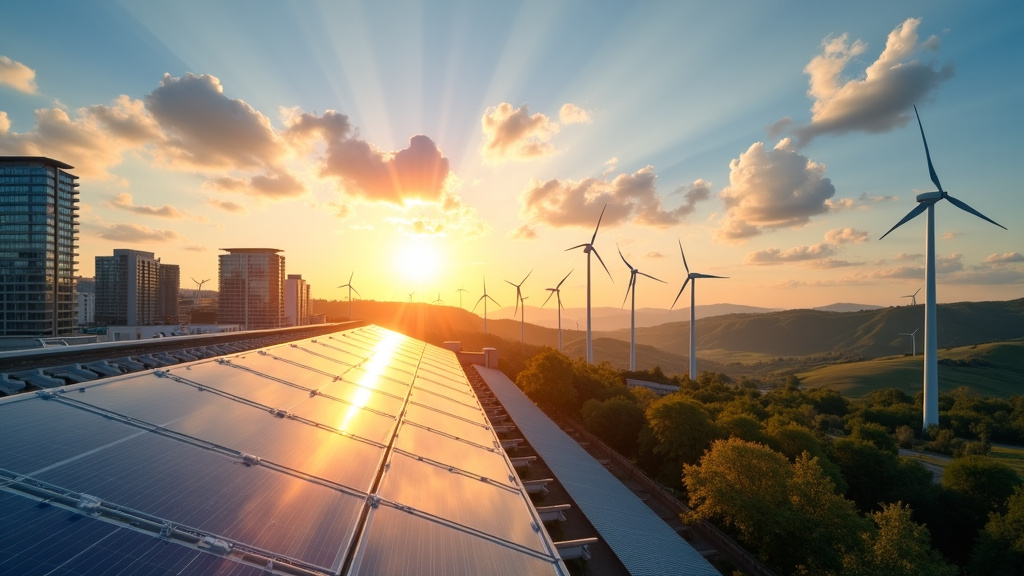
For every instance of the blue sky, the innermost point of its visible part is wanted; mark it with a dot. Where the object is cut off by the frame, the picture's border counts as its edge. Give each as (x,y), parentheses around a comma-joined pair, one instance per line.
(426,145)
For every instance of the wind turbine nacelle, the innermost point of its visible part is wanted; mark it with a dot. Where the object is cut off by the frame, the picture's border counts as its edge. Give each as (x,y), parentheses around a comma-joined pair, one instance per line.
(926,196)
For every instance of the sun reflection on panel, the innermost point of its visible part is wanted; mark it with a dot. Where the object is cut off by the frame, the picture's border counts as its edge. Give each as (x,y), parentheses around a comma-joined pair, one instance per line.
(380,358)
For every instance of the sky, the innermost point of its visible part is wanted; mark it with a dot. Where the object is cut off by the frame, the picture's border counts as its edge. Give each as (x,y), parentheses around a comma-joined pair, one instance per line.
(421,147)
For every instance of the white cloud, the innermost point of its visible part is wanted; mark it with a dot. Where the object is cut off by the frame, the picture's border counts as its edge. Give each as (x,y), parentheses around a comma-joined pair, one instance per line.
(17,76)
(1004,258)
(845,236)
(136,234)
(514,134)
(881,97)
(770,189)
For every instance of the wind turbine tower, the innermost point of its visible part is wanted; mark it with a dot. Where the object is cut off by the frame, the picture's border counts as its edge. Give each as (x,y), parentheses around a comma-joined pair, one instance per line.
(519,300)
(460,291)
(926,202)
(632,308)
(557,293)
(351,289)
(913,341)
(913,297)
(588,248)
(199,289)
(693,320)
(484,299)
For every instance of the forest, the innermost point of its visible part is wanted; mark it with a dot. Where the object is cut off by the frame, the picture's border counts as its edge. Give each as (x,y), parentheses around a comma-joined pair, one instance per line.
(811,482)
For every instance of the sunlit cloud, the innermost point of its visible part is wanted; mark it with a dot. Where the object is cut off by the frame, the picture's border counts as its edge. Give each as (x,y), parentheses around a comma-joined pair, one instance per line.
(136,234)
(951,235)
(876,100)
(845,236)
(629,197)
(654,254)
(877,199)
(17,76)
(275,186)
(773,256)
(226,205)
(903,257)
(523,232)
(125,201)
(1004,258)
(514,134)
(770,189)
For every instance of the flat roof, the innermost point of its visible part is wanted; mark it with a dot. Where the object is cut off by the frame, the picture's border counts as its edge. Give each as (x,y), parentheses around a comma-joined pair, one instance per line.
(35,159)
(644,543)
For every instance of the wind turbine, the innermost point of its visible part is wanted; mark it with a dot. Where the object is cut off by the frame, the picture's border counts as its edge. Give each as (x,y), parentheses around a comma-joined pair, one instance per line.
(913,340)
(411,295)
(519,299)
(484,299)
(632,307)
(199,288)
(588,248)
(557,293)
(351,289)
(913,297)
(438,301)
(926,202)
(460,291)
(693,321)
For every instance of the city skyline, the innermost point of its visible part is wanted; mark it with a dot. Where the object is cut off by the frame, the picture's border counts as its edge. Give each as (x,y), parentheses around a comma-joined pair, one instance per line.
(430,147)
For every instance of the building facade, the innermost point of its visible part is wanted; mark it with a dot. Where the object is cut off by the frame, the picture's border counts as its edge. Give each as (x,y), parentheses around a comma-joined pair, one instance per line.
(251,288)
(38,235)
(170,285)
(128,288)
(296,300)
(86,308)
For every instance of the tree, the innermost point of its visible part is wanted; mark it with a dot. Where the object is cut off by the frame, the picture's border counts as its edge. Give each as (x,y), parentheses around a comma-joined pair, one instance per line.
(875,434)
(616,421)
(547,380)
(987,482)
(743,426)
(899,547)
(682,427)
(1000,548)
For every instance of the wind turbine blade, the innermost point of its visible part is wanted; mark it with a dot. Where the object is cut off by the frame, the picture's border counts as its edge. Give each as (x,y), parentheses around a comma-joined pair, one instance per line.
(575,247)
(649,276)
(356,291)
(350,276)
(479,301)
(552,290)
(680,293)
(623,257)
(559,285)
(916,291)
(594,237)
(631,286)
(602,264)
(524,279)
(491,299)
(710,276)
(921,207)
(960,204)
(683,254)
(931,170)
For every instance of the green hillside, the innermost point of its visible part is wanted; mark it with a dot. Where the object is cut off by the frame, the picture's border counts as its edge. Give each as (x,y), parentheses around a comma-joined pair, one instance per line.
(749,338)
(995,369)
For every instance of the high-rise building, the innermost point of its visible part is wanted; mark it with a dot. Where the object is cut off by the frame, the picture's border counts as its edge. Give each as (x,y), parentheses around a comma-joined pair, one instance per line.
(128,288)
(86,308)
(170,285)
(296,300)
(251,288)
(38,234)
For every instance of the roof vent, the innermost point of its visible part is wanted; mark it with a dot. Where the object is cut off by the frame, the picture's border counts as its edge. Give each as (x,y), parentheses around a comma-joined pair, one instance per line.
(250,460)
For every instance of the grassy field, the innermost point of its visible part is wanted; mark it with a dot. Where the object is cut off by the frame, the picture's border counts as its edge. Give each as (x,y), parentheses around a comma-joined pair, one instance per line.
(995,369)
(1012,456)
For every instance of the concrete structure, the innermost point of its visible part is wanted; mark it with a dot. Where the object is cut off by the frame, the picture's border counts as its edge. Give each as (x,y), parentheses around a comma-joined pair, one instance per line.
(296,300)
(251,288)
(128,288)
(122,333)
(38,234)
(167,300)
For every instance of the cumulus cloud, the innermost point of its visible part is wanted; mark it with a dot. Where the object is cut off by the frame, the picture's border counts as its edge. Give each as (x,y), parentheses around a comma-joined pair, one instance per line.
(448,217)
(877,199)
(136,233)
(514,134)
(205,130)
(845,236)
(770,189)
(94,140)
(418,172)
(654,254)
(876,100)
(772,256)
(17,76)
(125,201)
(560,203)
(277,185)
(523,232)
(1004,258)
(903,256)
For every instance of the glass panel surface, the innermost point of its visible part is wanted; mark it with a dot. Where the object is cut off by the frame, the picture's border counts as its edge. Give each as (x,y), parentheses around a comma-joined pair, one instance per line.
(473,459)
(473,432)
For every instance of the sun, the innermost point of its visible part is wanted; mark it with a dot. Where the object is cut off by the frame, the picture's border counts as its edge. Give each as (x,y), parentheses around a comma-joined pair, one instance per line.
(418,260)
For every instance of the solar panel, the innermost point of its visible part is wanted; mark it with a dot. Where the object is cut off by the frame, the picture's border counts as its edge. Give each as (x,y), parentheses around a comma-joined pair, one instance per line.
(362,451)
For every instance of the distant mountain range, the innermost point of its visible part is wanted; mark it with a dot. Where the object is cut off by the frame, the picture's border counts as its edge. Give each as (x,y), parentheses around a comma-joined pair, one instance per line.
(735,340)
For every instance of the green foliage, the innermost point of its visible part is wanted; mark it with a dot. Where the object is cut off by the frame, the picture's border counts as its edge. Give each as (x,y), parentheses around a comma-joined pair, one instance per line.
(743,426)
(682,427)
(548,381)
(899,547)
(875,434)
(1000,548)
(986,482)
(616,421)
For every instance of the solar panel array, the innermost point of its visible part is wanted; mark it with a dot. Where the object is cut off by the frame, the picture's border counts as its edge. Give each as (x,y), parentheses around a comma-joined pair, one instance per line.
(360,452)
